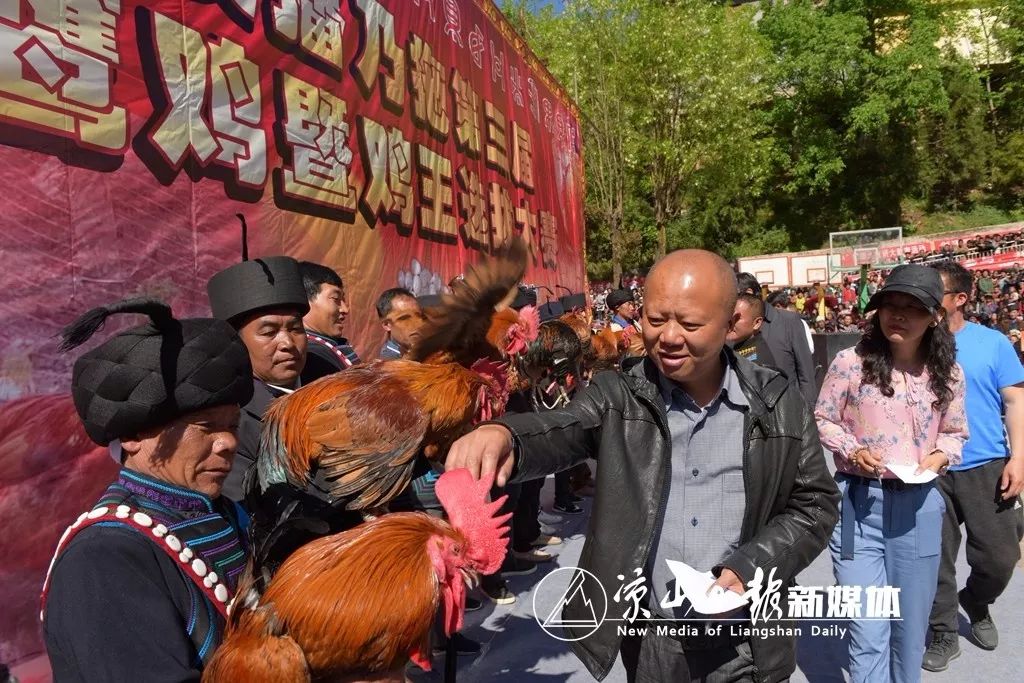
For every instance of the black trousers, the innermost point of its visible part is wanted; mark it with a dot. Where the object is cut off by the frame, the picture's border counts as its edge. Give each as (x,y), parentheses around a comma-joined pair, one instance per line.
(525,527)
(563,488)
(654,658)
(994,531)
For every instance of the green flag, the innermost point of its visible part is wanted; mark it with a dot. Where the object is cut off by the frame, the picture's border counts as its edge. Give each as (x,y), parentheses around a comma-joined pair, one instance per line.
(863,296)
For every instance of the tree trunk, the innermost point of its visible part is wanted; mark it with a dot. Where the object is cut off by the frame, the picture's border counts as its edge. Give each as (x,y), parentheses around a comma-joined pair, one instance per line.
(616,257)
(661,221)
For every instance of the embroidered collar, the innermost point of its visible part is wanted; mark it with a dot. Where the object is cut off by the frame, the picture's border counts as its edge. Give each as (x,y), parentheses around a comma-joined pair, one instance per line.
(168,495)
(333,341)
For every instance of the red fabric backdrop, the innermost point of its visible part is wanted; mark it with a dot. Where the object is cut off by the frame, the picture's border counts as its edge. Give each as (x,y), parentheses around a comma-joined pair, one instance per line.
(395,141)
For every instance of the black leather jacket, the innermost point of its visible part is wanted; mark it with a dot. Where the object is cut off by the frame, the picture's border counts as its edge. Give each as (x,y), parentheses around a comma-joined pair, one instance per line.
(620,419)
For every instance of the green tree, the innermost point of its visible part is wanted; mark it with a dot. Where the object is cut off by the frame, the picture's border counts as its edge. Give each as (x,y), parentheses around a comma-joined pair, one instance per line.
(701,142)
(586,48)
(953,146)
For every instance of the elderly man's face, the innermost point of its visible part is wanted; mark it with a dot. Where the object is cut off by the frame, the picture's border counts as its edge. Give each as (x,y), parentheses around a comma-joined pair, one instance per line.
(276,340)
(627,310)
(194,452)
(685,322)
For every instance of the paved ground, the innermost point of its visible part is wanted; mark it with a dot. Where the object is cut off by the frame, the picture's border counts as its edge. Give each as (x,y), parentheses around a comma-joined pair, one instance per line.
(517,650)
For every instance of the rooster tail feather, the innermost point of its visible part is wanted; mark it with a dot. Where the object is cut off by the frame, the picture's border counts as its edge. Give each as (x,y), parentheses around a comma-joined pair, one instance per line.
(272,462)
(462,320)
(257,649)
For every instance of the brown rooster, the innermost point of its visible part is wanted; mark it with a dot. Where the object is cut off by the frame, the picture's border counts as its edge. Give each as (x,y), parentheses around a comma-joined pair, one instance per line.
(362,602)
(354,435)
(351,441)
(610,346)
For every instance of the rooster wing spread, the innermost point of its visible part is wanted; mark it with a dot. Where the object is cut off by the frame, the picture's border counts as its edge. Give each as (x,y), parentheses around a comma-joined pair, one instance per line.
(369,437)
(463,319)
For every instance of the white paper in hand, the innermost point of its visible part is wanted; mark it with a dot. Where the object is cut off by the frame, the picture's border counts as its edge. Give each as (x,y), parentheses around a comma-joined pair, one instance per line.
(906,473)
(694,585)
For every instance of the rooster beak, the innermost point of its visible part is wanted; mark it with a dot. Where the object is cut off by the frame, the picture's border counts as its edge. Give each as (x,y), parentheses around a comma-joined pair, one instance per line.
(472,578)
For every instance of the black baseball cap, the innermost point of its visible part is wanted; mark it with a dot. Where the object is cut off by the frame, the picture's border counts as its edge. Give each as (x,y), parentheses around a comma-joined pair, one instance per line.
(921,282)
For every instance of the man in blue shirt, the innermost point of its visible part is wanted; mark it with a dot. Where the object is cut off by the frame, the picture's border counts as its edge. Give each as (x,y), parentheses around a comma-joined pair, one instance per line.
(623,308)
(983,492)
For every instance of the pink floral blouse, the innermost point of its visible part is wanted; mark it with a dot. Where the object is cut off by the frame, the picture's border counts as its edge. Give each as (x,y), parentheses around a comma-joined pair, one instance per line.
(903,428)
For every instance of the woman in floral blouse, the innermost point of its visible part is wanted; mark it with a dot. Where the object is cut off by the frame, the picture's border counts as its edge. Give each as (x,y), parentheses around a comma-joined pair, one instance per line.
(895,399)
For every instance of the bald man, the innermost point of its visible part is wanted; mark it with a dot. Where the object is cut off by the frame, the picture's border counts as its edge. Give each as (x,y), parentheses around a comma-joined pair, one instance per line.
(704,458)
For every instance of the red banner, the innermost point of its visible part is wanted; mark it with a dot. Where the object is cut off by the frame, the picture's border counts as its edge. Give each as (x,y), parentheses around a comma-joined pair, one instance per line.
(393,140)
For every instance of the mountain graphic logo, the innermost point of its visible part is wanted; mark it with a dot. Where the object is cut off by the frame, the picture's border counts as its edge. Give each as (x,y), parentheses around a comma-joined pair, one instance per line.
(575,588)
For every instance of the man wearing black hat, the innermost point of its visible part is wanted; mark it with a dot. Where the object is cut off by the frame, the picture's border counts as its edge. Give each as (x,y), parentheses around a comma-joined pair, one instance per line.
(264,300)
(623,309)
(139,586)
(786,335)
(327,351)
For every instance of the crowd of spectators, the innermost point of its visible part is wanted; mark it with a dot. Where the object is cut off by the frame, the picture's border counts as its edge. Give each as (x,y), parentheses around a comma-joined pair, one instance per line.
(965,248)
(830,309)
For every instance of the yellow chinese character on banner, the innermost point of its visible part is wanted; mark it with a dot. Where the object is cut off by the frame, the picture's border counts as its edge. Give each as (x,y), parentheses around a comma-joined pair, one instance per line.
(467,115)
(475,228)
(387,162)
(227,132)
(429,97)
(522,157)
(315,26)
(496,138)
(380,48)
(437,204)
(503,219)
(57,75)
(316,134)
(548,239)
(526,221)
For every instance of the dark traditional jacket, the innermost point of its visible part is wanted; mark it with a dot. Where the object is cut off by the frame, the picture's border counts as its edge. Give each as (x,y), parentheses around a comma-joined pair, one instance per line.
(121,604)
(250,426)
(620,418)
(756,350)
(326,355)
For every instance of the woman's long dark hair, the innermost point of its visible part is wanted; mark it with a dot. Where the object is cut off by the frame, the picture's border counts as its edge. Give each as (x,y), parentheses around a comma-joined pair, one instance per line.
(939,348)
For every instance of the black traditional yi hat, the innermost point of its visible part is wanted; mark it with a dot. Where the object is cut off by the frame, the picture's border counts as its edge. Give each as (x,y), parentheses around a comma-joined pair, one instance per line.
(271,282)
(619,297)
(249,286)
(154,373)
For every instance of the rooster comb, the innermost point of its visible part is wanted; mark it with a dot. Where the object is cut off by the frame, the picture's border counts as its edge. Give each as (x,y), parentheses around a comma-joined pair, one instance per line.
(465,501)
